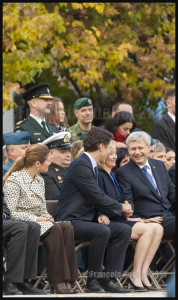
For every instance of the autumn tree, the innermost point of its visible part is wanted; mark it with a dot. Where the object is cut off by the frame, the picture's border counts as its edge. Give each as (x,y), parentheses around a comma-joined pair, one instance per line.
(108,51)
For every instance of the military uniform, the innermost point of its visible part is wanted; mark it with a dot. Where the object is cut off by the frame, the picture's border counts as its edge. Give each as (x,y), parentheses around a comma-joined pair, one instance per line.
(55,175)
(77,133)
(53,181)
(14,138)
(37,132)
(7,166)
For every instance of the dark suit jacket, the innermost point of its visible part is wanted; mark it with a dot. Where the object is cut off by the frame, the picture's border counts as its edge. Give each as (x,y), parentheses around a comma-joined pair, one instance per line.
(53,181)
(38,134)
(164,131)
(80,194)
(141,194)
(172,173)
(107,185)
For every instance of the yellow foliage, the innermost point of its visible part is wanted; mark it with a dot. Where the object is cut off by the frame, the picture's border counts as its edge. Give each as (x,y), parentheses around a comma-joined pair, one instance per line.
(7,98)
(100,8)
(77,6)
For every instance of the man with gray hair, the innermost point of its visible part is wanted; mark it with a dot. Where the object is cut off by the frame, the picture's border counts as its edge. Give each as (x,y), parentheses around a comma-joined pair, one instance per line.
(147,186)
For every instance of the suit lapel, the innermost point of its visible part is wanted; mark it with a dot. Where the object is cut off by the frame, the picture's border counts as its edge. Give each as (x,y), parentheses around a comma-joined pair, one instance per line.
(139,173)
(37,127)
(156,176)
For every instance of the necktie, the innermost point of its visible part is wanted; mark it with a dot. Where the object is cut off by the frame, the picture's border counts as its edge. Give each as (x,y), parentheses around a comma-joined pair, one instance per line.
(44,127)
(96,173)
(149,177)
(116,184)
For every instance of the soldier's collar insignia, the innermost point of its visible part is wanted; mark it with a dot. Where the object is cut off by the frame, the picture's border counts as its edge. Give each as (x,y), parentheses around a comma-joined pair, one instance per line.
(59,177)
(66,139)
(56,169)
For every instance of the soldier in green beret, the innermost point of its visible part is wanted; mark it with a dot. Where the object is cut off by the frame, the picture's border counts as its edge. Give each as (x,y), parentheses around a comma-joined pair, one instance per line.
(83,109)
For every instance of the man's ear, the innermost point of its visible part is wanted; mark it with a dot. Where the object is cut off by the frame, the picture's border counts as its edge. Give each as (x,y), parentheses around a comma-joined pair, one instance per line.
(33,103)
(101,146)
(51,154)
(11,151)
(76,113)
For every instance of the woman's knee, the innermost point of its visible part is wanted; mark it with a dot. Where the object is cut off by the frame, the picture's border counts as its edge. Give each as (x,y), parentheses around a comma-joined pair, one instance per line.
(158,229)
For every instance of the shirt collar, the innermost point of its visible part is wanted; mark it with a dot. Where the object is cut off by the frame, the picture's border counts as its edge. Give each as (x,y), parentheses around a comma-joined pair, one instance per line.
(37,119)
(146,164)
(172,116)
(93,161)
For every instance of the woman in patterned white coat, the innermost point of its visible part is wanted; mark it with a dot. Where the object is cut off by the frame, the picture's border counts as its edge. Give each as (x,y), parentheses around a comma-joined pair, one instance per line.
(24,193)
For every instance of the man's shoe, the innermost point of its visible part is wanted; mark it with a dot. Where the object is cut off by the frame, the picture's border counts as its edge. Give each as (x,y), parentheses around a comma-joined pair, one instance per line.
(109,285)
(93,286)
(26,289)
(10,288)
(41,284)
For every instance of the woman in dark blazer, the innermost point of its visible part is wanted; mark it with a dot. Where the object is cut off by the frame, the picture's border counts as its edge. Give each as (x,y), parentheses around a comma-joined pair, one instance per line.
(148,235)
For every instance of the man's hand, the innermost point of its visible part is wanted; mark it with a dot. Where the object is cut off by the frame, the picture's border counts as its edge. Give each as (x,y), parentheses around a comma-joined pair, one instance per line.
(103,220)
(126,207)
(128,214)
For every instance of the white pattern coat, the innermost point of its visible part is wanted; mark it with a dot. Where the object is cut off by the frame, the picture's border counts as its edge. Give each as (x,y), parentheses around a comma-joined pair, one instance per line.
(25,197)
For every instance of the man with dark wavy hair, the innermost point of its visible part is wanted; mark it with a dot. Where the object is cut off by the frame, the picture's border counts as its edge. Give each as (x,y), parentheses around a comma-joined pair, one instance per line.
(80,195)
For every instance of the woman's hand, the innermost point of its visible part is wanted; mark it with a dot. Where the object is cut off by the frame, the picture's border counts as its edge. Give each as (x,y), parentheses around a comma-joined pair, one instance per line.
(135,219)
(103,220)
(154,219)
(45,218)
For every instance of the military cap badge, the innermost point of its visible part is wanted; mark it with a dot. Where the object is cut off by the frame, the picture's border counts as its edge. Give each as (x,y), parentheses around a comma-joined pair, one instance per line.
(66,139)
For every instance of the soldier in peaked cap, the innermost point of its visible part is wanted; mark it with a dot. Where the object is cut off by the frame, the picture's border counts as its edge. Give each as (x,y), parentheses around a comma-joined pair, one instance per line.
(16,144)
(39,100)
(83,109)
(60,146)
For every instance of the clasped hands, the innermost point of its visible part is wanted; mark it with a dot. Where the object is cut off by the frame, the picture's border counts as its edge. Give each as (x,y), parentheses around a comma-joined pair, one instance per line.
(45,218)
(127,209)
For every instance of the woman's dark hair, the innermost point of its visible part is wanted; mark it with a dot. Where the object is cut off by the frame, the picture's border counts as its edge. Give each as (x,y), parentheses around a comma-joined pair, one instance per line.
(95,137)
(119,119)
(121,153)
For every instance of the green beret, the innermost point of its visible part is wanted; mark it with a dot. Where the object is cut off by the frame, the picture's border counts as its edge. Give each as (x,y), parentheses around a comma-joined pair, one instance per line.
(81,102)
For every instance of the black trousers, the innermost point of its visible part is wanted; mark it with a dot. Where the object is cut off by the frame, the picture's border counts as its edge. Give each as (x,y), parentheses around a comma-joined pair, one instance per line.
(21,240)
(115,238)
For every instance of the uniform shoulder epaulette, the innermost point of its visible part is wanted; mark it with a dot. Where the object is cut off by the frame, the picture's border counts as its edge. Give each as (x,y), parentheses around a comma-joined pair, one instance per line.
(20,123)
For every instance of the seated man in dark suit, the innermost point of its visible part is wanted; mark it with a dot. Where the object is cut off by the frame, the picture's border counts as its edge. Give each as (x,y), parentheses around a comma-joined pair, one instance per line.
(147,186)
(80,195)
(21,240)
(59,146)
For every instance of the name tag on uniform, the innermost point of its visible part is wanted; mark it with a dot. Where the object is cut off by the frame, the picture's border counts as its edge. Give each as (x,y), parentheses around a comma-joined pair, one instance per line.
(37,133)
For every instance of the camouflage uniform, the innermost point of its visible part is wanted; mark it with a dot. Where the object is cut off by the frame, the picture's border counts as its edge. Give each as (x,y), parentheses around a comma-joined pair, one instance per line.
(77,133)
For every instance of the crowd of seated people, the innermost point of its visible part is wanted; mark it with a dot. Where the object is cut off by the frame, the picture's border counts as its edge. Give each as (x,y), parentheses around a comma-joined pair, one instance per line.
(65,171)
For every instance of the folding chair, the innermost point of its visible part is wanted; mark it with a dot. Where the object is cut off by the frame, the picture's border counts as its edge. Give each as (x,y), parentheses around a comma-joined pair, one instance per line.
(51,207)
(167,263)
(125,276)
